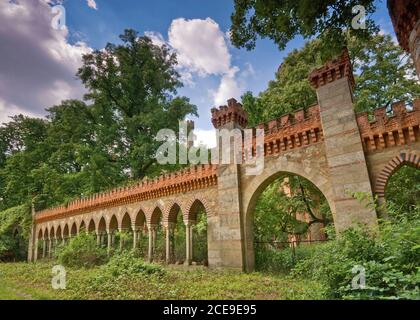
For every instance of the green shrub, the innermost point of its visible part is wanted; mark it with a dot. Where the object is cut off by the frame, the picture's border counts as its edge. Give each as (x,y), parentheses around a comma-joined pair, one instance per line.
(390,260)
(81,251)
(274,260)
(128,263)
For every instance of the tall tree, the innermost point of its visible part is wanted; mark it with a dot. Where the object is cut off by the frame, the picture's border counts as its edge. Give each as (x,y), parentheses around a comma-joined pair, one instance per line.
(383,72)
(281,21)
(133,87)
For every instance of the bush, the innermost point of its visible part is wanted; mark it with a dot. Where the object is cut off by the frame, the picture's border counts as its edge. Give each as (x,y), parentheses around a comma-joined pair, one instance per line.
(128,263)
(275,260)
(81,251)
(390,261)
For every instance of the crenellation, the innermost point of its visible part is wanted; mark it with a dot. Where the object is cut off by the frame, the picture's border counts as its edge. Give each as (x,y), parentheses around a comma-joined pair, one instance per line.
(399,127)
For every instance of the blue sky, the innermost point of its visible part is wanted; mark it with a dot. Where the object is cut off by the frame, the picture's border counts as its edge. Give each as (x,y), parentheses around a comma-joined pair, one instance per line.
(206,83)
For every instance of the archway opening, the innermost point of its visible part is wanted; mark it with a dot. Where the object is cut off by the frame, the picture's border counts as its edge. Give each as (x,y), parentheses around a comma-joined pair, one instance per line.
(158,236)
(82,227)
(91,226)
(73,230)
(102,232)
(198,215)
(177,235)
(66,233)
(59,234)
(126,233)
(113,231)
(402,192)
(141,234)
(287,214)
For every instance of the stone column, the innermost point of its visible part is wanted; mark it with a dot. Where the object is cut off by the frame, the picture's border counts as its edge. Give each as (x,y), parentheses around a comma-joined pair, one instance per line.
(169,229)
(188,243)
(226,247)
(344,150)
(98,239)
(134,237)
(151,246)
(109,234)
(44,247)
(35,258)
(121,240)
(49,248)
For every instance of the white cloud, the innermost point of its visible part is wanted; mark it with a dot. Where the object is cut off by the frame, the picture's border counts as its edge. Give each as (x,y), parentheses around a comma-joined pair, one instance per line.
(228,88)
(200,45)
(203,49)
(92,4)
(38,64)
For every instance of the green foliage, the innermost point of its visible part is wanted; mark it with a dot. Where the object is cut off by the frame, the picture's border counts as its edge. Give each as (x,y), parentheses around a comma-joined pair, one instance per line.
(402,192)
(276,212)
(81,251)
(281,21)
(127,263)
(268,258)
(390,260)
(384,74)
(14,232)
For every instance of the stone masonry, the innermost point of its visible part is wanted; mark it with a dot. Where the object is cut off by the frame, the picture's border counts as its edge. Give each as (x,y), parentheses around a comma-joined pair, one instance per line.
(339,151)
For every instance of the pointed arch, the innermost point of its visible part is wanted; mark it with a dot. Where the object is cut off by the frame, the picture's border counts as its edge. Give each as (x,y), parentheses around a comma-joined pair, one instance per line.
(125,222)
(193,206)
(59,232)
(156,216)
(113,223)
(91,226)
(73,230)
(404,158)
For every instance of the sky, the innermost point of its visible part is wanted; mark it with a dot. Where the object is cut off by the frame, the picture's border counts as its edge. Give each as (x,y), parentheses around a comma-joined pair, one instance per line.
(38,61)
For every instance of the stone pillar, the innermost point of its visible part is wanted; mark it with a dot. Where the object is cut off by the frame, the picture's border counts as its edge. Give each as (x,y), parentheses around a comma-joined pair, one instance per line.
(35,257)
(49,248)
(109,244)
(345,156)
(121,240)
(169,232)
(44,248)
(188,243)
(405,17)
(98,239)
(151,246)
(226,246)
(134,237)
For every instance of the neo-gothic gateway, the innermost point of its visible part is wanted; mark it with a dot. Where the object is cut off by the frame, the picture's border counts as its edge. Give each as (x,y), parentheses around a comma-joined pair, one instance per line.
(337,150)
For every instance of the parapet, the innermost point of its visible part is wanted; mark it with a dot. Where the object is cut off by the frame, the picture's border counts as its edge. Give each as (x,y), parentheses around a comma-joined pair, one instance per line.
(333,70)
(233,112)
(191,178)
(399,127)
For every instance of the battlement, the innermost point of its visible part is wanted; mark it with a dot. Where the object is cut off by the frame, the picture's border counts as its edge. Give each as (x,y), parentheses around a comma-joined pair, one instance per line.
(191,178)
(387,130)
(291,131)
(333,70)
(233,112)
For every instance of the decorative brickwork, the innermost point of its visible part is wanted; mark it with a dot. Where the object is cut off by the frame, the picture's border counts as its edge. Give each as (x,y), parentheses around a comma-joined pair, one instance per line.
(399,128)
(233,112)
(328,144)
(333,70)
(411,159)
(291,131)
(198,177)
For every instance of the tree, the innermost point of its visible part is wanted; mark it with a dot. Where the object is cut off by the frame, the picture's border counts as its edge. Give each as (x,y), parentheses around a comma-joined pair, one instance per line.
(282,20)
(133,87)
(383,72)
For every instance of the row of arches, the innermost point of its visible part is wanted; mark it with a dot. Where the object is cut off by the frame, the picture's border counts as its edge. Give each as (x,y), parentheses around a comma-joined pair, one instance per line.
(152,235)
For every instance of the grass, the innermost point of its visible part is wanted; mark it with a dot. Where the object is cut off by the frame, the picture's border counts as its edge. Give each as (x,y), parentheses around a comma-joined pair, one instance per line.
(33,281)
